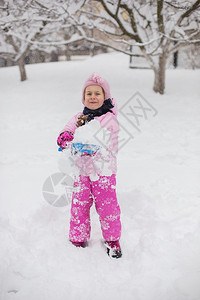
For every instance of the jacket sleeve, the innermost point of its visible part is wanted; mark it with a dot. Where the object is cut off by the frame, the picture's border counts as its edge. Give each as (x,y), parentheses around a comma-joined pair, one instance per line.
(71,125)
(111,124)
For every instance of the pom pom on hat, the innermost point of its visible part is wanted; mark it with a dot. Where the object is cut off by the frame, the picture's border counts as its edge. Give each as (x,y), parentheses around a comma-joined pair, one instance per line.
(95,79)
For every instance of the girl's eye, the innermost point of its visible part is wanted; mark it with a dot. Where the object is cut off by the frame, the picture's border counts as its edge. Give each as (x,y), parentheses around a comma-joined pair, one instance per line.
(89,94)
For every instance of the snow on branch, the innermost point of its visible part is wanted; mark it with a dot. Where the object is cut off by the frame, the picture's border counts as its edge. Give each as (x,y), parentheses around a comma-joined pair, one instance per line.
(98,16)
(73,39)
(189,11)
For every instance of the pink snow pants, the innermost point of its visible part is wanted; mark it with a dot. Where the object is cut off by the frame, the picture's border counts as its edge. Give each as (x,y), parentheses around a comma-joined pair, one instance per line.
(103,193)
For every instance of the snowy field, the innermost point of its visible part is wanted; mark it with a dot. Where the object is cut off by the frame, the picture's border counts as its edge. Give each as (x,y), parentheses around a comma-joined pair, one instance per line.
(158,188)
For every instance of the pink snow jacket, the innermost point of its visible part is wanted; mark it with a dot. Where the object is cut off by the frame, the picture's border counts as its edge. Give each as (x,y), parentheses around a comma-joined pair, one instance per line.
(109,144)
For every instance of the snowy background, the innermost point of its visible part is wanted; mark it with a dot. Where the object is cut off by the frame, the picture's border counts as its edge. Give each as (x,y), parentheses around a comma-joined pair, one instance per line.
(158,188)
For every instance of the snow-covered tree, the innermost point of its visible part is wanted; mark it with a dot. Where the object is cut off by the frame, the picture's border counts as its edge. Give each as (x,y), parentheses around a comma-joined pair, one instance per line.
(157,28)
(17,28)
(35,24)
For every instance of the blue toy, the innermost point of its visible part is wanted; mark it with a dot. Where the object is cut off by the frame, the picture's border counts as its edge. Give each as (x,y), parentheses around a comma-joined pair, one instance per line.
(84,149)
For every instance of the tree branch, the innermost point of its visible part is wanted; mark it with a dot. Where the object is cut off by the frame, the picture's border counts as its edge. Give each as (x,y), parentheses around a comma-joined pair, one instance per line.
(121,26)
(54,43)
(188,12)
(160,16)
(182,44)
(118,6)
(99,17)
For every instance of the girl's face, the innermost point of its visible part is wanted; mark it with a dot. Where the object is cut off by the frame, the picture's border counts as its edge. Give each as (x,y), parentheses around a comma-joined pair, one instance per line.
(94,96)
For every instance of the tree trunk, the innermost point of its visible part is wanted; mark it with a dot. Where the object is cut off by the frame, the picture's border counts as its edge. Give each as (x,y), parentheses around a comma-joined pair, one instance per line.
(92,50)
(67,53)
(91,35)
(22,69)
(159,75)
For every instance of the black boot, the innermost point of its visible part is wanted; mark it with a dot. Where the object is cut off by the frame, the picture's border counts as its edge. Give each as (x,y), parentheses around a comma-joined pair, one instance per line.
(80,244)
(113,249)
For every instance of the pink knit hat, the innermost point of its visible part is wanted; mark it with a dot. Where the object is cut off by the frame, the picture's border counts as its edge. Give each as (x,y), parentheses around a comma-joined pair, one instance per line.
(95,79)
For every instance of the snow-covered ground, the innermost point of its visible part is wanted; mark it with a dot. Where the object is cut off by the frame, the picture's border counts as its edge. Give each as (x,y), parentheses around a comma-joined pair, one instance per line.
(158,188)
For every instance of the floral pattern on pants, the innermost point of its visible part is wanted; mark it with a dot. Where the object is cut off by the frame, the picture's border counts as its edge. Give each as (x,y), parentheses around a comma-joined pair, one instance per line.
(103,193)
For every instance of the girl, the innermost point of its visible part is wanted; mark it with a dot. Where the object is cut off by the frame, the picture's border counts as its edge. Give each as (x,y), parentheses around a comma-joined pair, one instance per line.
(99,110)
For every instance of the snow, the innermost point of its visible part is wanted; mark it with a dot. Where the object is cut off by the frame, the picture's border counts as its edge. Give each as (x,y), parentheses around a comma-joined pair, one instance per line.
(85,134)
(157,186)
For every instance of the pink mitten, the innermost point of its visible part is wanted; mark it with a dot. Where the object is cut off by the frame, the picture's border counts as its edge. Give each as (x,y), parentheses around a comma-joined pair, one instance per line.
(63,138)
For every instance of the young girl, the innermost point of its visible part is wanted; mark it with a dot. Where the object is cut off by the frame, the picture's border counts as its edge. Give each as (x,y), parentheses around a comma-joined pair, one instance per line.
(99,113)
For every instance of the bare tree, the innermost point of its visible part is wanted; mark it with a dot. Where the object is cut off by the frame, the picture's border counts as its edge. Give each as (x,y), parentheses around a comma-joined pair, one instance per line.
(157,28)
